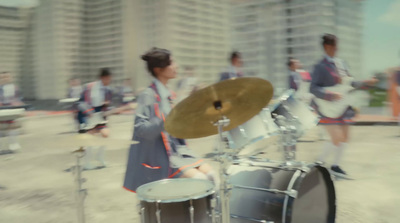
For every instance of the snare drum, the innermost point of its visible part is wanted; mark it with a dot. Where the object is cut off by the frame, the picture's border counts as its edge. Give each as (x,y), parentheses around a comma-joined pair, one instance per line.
(259,127)
(268,192)
(289,107)
(177,201)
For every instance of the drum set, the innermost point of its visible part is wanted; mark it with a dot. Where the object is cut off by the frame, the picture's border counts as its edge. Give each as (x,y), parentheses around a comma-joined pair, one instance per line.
(251,189)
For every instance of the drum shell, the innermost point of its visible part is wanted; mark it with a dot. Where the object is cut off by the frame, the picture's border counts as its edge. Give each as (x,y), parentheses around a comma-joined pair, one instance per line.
(176,200)
(176,212)
(292,108)
(259,127)
(315,202)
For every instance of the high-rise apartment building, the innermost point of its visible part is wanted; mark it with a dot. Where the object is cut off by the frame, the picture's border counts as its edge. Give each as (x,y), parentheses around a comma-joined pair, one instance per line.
(14,29)
(283,29)
(75,38)
(197,33)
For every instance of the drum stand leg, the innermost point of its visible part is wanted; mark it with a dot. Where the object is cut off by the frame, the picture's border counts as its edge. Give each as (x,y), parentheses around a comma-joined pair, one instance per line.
(225,188)
(288,139)
(80,192)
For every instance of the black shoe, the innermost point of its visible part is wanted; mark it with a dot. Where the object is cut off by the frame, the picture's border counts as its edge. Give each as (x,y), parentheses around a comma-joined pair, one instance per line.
(337,170)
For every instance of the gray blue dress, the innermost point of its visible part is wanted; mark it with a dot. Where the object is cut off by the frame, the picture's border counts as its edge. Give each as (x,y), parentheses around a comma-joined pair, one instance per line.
(158,155)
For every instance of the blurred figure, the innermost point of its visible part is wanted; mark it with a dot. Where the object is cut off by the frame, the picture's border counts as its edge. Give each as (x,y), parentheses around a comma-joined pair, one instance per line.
(94,100)
(234,70)
(9,91)
(294,76)
(328,73)
(187,84)
(125,92)
(394,92)
(9,96)
(75,88)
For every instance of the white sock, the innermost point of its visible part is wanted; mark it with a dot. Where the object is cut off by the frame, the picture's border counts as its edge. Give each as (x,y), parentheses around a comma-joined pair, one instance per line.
(13,134)
(339,153)
(326,150)
(87,158)
(200,175)
(101,154)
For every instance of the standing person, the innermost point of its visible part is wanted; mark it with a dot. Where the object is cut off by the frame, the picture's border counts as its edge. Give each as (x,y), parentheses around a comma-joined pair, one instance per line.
(125,92)
(327,73)
(10,97)
(394,92)
(75,88)
(159,155)
(187,85)
(234,70)
(94,100)
(294,76)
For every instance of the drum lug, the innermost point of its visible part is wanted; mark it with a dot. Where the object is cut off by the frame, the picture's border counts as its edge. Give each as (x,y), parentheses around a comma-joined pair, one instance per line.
(213,204)
(158,212)
(141,213)
(191,211)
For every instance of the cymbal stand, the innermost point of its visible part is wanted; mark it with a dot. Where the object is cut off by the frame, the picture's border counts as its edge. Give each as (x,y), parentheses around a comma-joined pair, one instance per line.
(223,158)
(288,139)
(80,192)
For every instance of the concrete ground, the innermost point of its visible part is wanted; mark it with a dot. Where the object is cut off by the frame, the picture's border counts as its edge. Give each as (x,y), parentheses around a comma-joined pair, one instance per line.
(35,188)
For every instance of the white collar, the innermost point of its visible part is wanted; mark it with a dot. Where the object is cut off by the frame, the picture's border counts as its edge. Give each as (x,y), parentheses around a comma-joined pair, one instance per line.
(330,59)
(162,89)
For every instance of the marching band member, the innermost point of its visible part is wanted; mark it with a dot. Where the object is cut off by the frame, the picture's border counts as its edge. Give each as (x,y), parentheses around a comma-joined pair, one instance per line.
(394,92)
(125,91)
(75,88)
(327,74)
(159,155)
(234,70)
(294,77)
(10,97)
(95,99)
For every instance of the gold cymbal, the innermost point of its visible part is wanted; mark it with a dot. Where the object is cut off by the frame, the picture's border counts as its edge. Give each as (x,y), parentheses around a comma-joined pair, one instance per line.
(240,99)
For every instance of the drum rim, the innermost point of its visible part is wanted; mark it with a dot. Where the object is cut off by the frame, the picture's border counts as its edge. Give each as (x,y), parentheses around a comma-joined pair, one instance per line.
(331,196)
(186,198)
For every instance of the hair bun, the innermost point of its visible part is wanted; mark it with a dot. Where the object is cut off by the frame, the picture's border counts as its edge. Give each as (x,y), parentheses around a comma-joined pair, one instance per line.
(145,57)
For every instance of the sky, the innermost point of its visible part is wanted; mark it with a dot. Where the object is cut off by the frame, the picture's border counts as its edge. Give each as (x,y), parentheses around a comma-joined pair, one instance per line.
(381,39)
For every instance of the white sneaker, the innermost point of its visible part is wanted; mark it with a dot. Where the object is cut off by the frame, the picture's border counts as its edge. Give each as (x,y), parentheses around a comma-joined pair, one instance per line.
(14,147)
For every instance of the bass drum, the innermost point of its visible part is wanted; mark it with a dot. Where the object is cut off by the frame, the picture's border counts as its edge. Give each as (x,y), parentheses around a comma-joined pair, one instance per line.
(267,192)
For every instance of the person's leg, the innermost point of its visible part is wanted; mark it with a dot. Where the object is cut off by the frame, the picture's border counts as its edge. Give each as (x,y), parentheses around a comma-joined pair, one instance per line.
(210,173)
(193,173)
(340,149)
(105,132)
(13,140)
(87,159)
(336,137)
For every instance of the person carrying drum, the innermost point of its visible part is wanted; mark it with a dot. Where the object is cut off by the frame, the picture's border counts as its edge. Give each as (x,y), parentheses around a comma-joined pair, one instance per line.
(234,70)
(327,73)
(159,155)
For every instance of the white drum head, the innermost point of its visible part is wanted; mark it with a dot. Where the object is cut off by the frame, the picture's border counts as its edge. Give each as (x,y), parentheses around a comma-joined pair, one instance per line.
(175,190)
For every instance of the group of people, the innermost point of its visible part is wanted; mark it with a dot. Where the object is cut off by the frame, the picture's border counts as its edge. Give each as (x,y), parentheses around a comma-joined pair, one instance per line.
(159,155)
